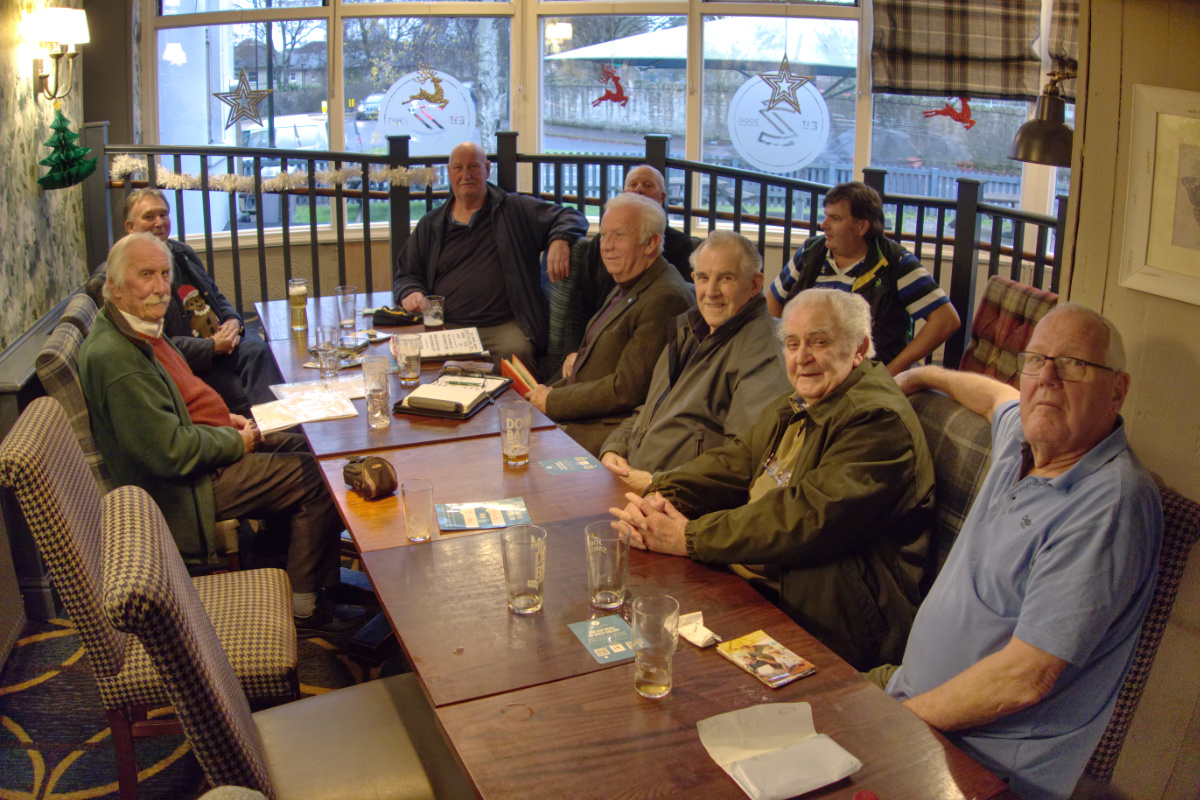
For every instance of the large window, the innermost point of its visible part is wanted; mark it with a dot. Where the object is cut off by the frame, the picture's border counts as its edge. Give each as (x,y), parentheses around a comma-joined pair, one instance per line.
(772,87)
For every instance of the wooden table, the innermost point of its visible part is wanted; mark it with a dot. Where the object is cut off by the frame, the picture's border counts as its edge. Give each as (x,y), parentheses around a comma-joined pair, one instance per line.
(532,714)
(276,317)
(353,435)
(471,470)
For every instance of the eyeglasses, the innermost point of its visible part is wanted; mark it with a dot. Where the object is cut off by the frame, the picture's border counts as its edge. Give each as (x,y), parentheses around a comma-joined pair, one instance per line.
(1065,367)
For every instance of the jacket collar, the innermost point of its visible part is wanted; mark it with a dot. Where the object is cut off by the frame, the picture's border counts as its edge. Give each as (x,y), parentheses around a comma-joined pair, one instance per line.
(122,325)
(822,409)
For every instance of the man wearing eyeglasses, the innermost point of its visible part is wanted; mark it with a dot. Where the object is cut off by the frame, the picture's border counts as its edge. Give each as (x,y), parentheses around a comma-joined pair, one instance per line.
(1021,647)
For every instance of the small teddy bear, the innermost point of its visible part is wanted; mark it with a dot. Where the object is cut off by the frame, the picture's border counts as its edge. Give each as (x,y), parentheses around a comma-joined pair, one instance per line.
(203,321)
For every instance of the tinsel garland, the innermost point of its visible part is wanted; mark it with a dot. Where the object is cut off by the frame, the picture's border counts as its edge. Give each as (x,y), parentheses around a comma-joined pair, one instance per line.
(125,165)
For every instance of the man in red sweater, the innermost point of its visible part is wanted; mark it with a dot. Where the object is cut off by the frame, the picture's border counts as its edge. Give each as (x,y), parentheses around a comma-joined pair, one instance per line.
(162,428)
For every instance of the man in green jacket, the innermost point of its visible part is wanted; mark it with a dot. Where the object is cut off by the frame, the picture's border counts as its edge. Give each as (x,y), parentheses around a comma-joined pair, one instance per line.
(162,428)
(827,503)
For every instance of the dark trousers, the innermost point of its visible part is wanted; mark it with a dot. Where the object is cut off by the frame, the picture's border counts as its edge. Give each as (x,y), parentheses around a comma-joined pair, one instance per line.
(281,481)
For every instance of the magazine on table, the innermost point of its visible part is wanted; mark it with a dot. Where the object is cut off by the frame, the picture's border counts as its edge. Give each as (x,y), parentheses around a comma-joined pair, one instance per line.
(766,659)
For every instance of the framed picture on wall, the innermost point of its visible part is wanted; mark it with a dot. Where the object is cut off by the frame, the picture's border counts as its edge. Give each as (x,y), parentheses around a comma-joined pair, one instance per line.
(1162,212)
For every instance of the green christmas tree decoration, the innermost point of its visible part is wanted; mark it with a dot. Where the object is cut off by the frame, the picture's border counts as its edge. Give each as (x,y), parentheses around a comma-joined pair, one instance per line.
(68,162)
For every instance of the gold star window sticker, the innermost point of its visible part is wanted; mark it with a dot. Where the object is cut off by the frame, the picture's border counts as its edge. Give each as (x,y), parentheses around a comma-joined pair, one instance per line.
(243,102)
(784,86)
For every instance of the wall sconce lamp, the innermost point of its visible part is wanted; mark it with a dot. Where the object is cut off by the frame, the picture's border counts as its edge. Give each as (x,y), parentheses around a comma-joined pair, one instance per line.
(62,28)
(1046,139)
(173,54)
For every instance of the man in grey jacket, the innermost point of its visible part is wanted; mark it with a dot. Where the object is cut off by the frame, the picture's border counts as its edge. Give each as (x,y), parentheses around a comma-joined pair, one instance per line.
(720,369)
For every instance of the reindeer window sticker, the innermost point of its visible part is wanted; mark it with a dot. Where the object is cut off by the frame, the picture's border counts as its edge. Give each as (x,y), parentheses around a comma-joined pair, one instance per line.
(616,94)
(431,107)
(962,115)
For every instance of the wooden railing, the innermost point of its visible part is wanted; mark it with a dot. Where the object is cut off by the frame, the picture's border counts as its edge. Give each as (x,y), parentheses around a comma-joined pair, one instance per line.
(968,238)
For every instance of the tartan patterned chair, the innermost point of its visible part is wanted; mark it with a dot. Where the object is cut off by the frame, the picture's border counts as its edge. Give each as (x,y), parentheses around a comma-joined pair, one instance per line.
(376,739)
(80,312)
(566,329)
(41,463)
(1181,529)
(1003,324)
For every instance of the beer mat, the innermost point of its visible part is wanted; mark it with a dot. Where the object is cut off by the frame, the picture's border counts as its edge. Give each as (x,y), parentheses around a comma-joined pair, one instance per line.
(607,638)
(766,659)
(557,466)
(474,516)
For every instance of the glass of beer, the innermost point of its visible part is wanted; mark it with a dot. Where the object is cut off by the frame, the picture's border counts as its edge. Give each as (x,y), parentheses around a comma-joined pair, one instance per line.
(406,347)
(515,418)
(655,636)
(432,310)
(298,303)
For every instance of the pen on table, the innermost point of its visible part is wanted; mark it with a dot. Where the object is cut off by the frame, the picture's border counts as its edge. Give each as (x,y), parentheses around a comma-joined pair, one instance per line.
(465,383)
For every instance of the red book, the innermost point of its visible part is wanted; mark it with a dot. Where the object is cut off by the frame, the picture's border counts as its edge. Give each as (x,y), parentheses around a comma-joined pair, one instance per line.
(523,382)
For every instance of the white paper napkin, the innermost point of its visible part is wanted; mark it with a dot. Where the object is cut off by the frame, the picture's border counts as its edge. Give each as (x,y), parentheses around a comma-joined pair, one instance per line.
(691,627)
(773,751)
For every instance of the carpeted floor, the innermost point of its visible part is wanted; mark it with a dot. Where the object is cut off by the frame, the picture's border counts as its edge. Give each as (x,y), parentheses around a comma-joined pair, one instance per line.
(54,736)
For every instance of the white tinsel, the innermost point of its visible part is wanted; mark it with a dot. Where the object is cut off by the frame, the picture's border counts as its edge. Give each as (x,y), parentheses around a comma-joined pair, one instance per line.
(124,165)
(338,177)
(286,180)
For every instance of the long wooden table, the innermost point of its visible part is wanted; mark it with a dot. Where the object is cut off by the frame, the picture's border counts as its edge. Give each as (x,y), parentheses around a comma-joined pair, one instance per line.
(276,318)
(532,714)
(471,470)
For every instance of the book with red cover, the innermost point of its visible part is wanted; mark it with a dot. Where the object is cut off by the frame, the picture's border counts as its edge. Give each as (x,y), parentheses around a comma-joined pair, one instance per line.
(523,382)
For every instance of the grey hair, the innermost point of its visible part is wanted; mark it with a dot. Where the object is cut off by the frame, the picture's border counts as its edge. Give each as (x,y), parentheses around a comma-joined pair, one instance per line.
(652,219)
(119,258)
(138,195)
(852,315)
(749,261)
(1114,352)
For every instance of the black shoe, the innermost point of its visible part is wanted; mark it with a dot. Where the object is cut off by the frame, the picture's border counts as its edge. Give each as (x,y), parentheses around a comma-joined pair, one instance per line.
(331,619)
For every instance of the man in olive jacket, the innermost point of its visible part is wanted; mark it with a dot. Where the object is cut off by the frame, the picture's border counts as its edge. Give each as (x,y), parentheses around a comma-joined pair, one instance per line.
(828,501)
(608,377)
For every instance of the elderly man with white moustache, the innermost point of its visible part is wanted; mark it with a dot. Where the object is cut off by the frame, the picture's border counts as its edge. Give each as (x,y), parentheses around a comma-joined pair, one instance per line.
(1022,645)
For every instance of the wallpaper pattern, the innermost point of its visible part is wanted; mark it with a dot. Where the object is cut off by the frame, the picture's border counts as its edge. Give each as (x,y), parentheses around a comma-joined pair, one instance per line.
(41,233)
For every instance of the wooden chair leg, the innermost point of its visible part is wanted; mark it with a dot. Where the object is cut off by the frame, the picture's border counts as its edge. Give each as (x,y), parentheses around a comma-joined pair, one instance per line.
(122,737)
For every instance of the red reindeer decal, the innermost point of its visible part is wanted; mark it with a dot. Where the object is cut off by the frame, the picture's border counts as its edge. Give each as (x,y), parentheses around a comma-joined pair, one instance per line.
(617,96)
(963,116)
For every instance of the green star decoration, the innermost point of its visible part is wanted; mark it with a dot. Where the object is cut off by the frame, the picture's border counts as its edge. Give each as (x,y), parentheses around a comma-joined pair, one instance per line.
(243,102)
(784,86)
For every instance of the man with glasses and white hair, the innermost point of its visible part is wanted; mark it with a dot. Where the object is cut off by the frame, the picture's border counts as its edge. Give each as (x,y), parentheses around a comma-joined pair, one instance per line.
(720,369)
(827,503)
(1022,645)
(607,378)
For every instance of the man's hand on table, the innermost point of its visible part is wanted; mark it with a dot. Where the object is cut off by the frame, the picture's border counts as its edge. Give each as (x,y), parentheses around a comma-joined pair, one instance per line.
(638,479)
(412,302)
(558,260)
(227,336)
(538,395)
(657,525)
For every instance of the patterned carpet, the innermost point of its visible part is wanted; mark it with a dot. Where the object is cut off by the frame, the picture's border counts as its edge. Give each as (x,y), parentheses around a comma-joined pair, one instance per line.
(54,736)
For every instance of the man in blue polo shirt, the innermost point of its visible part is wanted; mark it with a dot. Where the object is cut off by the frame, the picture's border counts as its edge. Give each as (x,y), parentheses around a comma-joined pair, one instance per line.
(853,255)
(1021,647)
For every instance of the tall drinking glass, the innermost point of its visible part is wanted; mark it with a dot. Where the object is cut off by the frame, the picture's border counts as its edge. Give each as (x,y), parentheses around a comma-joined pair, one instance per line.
(298,303)
(655,635)
(524,567)
(417,496)
(327,350)
(347,305)
(607,562)
(406,347)
(378,383)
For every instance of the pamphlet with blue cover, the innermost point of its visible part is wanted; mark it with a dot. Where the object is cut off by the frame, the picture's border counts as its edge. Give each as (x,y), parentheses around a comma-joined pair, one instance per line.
(556,466)
(607,638)
(474,516)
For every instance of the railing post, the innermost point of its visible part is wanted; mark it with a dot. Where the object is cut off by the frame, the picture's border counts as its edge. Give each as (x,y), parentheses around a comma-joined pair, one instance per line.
(506,162)
(398,198)
(875,178)
(97,211)
(658,146)
(965,268)
(1060,240)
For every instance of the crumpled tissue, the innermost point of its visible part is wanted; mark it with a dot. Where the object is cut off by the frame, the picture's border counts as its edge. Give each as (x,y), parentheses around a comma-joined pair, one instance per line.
(691,627)
(773,751)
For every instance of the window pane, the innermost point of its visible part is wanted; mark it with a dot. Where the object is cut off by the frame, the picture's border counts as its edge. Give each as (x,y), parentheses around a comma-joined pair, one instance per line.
(195,63)
(440,80)
(764,115)
(925,144)
(173,7)
(607,81)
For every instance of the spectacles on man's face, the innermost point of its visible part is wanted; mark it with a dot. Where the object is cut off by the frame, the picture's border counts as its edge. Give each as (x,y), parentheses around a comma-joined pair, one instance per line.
(1066,368)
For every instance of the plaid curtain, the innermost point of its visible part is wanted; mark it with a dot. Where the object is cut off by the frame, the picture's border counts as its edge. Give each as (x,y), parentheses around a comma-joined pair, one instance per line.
(1064,43)
(952,48)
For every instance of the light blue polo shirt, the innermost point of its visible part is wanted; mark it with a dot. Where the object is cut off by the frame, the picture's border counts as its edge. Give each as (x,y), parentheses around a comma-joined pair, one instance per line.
(1066,565)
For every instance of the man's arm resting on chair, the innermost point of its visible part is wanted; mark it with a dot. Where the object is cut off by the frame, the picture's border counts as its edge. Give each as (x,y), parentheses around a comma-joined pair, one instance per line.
(978,393)
(1013,678)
